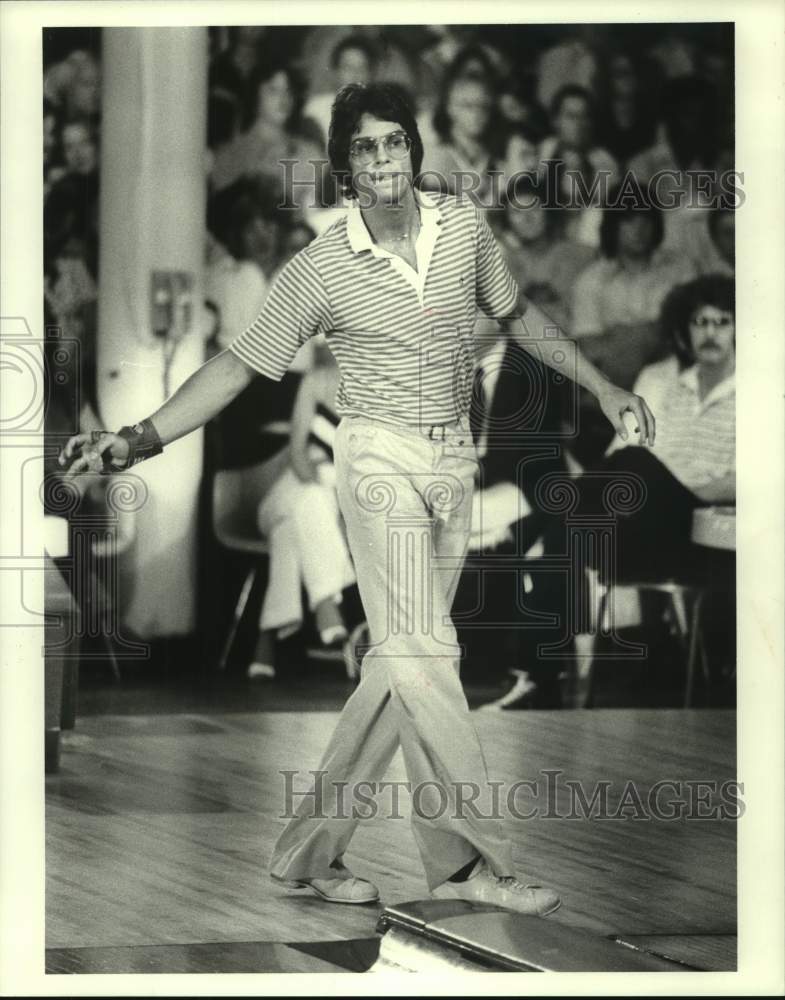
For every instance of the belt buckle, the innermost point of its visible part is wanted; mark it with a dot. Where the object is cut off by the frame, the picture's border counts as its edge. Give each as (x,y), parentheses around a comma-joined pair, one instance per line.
(434,427)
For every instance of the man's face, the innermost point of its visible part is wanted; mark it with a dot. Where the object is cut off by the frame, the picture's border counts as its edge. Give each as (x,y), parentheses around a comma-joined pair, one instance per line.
(78,149)
(384,179)
(573,123)
(353,67)
(712,336)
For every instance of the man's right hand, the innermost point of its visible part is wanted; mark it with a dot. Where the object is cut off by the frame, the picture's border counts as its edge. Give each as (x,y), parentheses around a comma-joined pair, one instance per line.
(87,452)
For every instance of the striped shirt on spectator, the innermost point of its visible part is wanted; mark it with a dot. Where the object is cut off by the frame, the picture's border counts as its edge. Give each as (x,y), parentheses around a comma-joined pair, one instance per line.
(403,339)
(696,439)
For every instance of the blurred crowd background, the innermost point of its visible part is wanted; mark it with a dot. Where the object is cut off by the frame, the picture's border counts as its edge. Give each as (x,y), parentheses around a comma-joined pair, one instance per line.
(493,99)
(507,102)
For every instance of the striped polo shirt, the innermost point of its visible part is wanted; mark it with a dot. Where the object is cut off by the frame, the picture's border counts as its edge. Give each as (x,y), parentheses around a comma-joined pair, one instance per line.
(696,438)
(403,339)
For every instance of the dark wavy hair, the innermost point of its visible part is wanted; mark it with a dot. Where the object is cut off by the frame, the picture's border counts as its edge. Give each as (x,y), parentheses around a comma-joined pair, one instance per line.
(612,218)
(384,101)
(683,302)
(261,75)
(456,73)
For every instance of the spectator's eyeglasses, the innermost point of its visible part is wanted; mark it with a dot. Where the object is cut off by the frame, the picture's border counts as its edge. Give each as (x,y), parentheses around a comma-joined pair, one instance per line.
(396,145)
(721,322)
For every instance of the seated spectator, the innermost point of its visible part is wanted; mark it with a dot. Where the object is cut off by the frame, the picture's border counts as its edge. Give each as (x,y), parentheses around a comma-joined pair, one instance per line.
(628,123)
(273,136)
(466,152)
(536,249)
(353,60)
(70,287)
(231,71)
(688,141)
(617,298)
(300,518)
(519,107)
(714,242)
(691,464)
(74,190)
(74,86)
(692,394)
(571,61)
(394,59)
(571,153)
(521,154)
(223,121)
(238,282)
(53,167)
(515,446)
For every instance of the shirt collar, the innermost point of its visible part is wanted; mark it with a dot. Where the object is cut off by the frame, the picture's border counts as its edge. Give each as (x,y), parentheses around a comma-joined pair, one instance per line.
(360,238)
(689,378)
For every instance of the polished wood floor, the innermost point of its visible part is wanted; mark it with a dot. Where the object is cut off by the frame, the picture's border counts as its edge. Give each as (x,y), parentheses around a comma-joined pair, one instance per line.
(159,828)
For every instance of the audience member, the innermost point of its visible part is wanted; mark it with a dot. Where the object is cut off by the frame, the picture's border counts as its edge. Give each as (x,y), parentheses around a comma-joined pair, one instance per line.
(515,418)
(53,168)
(300,518)
(519,107)
(688,142)
(571,61)
(617,298)
(353,60)
(693,459)
(232,70)
(521,154)
(274,136)
(571,153)
(74,86)
(238,282)
(467,151)
(536,249)
(714,242)
(628,123)
(691,464)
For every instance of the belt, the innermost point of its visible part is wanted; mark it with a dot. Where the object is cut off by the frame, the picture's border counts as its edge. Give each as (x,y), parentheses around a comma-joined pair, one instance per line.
(436,432)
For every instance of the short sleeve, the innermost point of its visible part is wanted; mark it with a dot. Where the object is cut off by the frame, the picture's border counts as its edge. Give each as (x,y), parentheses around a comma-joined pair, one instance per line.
(497,291)
(296,309)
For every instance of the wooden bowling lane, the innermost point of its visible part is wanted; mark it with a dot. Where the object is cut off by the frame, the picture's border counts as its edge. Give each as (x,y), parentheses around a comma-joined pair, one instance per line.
(159,829)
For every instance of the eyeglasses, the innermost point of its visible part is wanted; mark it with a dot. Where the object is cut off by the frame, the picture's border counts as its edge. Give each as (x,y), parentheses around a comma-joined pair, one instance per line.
(721,322)
(396,145)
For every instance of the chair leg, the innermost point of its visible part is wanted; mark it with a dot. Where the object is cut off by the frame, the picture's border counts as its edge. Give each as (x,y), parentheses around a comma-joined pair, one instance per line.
(603,594)
(113,665)
(695,649)
(239,611)
(680,613)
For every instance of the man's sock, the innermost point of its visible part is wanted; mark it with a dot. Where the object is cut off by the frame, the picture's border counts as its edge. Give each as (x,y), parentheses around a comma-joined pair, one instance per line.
(465,872)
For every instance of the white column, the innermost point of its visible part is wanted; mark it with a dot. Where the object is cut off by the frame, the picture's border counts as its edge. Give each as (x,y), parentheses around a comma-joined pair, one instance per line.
(152,218)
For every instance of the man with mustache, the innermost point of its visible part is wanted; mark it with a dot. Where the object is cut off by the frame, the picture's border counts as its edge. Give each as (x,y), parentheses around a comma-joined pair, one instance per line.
(693,463)
(395,286)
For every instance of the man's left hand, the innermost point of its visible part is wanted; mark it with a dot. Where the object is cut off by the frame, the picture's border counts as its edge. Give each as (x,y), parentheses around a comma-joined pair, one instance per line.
(615,402)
